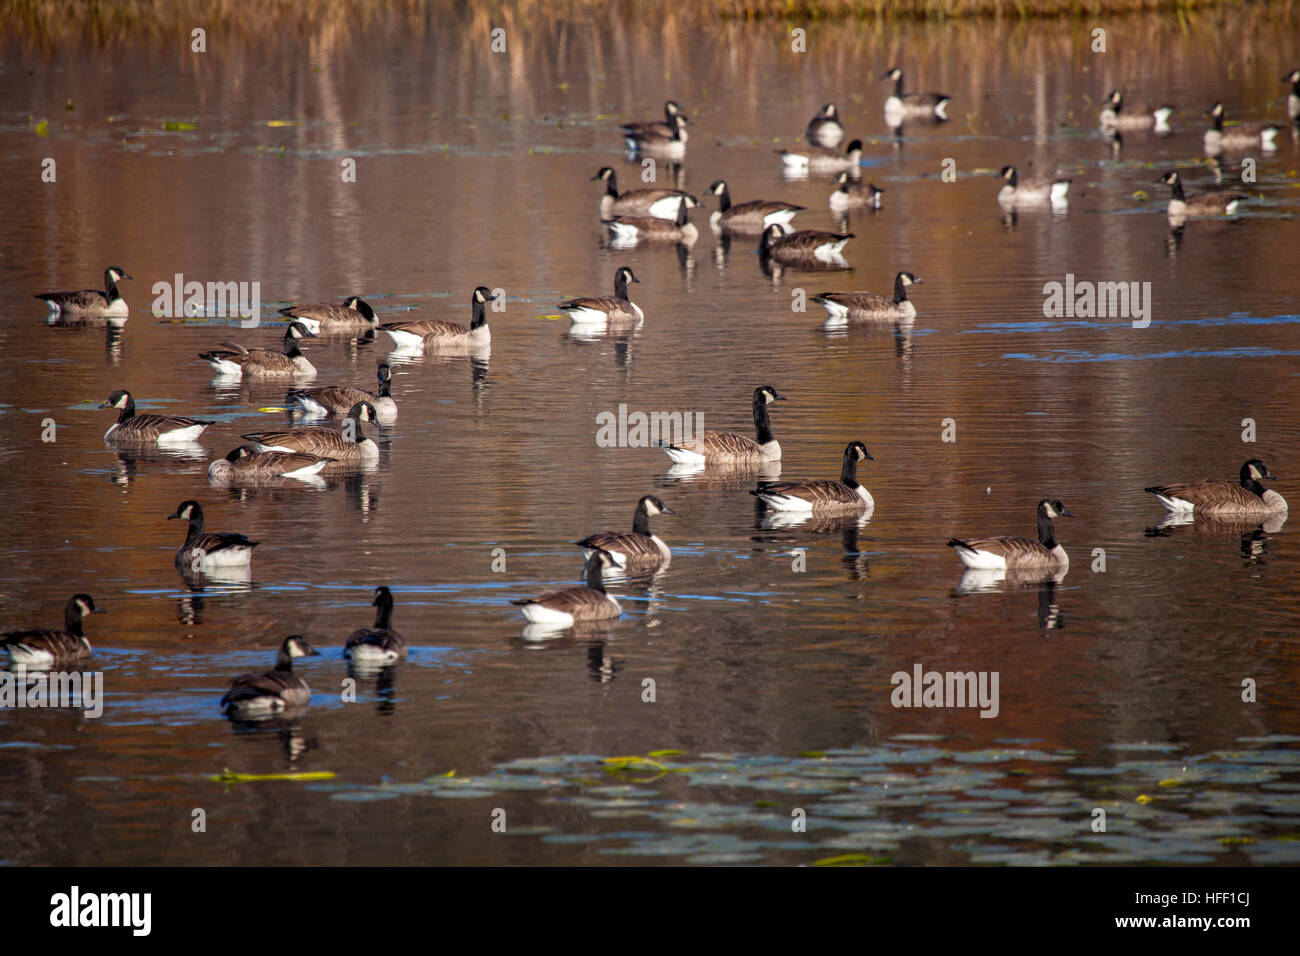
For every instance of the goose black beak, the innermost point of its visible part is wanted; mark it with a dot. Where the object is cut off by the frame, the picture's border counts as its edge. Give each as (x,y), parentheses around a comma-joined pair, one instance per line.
(667,511)
(1065,513)
(98,610)
(781,398)
(105,403)
(127,275)
(917,280)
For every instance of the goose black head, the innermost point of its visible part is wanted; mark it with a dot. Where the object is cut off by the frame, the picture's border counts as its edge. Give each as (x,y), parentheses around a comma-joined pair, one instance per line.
(119,399)
(1257,470)
(829,111)
(360,305)
(1292,77)
(908,278)
(84,604)
(854,147)
(188,510)
(1052,508)
(383,596)
(243,451)
(892,74)
(770,236)
(385,372)
(300,331)
(484,294)
(117,274)
(363,412)
(604,173)
(1008,173)
(767,395)
(671,108)
(1169,178)
(296,645)
(1115,98)
(718,188)
(654,506)
(625,273)
(858,451)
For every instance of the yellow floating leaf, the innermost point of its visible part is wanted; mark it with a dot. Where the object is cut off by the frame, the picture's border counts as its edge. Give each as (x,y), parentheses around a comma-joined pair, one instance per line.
(1171,782)
(43,128)
(229,776)
(1143,798)
(665,753)
(1235,841)
(281,122)
(849,859)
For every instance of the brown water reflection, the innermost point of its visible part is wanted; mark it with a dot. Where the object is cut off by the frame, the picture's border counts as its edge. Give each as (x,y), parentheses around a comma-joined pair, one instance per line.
(475,169)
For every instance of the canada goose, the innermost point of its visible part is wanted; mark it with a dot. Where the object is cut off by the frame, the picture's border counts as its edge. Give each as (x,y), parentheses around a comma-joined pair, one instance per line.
(842,307)
(347,443)
(631,229)
(663,127)
(851,195)
(1216,496)
(1246,136)
(824,129)
(235,361)
(379,645)
(748,217)
(637,547)
(1111,116)
(432,335)
(1198,205)
(1011,552)
(44,647)
(273,691)
(353,315)
(598,310)
(561,609)
(338,400)
(205,550)
(662,139)
(149,429)
(246,462)
(1293,98)
(805,246)
(914,104)
(818,159)
(91,301)
(729,448)
(821,496)
(660,203)
(1030,192)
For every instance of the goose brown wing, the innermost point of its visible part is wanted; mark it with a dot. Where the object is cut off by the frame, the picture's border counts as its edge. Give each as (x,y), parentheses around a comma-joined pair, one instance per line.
(381,637)
(819,491)
(213,541)
(425,327)
(339,398)
(1213,494)
(807,241)
(277,462)
(859,301)
(1014,550)
(583,603)
(325,312)
(635,546)
(323,442)
(610,305)
(61,644)
(283,684)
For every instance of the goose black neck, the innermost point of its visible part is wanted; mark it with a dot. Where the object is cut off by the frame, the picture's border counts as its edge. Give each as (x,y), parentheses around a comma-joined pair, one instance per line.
(354,416)
(284,663)
(681,214)
(291,344)
(1014,179)
(595,580)
(620,287)
(1216,122)
(898,86)
(641,520)
(128,410)
(385,387)
(1295,88)
(611,185)
(480,314)
(110,287)
(196,525)
(762,424)
(1046,531)
(900,290)
(1177,187)
(724,198)
(849,473)
(384,612)
(72,618)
